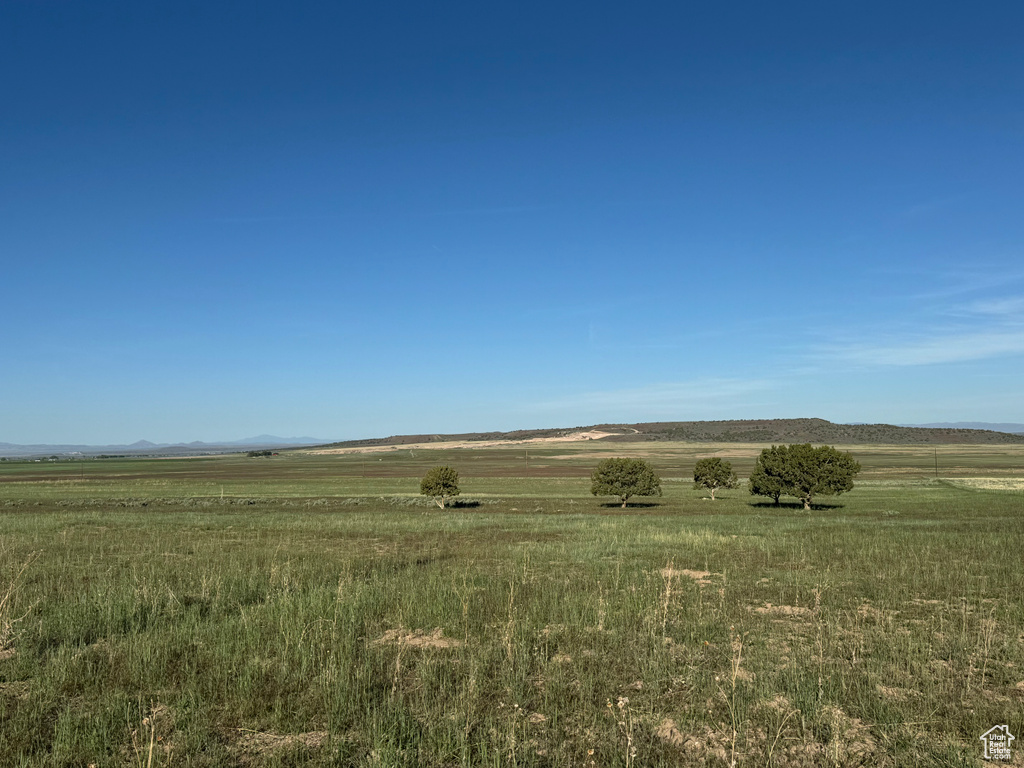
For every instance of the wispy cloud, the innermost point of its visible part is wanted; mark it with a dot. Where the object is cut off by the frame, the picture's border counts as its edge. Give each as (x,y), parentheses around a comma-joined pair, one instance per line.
(976,316)
(952,284)
(931,350)
(1009,306)
(677,396)
(941,282)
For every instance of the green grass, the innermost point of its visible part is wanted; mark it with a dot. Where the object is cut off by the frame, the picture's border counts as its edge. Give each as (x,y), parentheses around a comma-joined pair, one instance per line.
(294,621)
(494,470)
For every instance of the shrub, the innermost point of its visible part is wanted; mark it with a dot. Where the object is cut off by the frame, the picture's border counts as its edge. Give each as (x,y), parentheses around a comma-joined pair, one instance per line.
(441,483)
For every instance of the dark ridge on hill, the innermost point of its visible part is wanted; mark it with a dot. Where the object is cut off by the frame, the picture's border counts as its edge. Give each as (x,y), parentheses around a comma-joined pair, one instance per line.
(735,431)
(808,431)
(1012,427)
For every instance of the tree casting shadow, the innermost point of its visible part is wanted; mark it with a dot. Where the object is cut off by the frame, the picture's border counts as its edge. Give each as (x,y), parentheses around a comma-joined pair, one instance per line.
(463,504)
(793,505)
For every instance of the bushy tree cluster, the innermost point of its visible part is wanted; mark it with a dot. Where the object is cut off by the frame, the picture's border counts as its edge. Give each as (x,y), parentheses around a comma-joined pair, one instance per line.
(802,471)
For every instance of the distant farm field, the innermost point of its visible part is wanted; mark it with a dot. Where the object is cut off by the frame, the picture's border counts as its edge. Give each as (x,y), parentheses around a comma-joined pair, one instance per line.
(315,610)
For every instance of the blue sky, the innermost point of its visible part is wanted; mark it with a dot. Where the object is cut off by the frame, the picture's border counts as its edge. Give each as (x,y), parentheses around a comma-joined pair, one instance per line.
(224,219)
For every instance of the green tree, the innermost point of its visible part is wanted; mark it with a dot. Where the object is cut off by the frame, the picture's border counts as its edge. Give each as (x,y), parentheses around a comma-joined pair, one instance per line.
(713,473)
(802,471)
(823,471)
(442,483)
(768,478)
(624,478)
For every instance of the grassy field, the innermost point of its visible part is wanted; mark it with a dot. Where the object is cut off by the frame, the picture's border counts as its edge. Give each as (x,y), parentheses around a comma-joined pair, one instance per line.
(314,610)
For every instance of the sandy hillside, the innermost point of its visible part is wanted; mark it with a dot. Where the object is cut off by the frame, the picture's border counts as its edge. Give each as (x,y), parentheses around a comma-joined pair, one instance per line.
(574,437)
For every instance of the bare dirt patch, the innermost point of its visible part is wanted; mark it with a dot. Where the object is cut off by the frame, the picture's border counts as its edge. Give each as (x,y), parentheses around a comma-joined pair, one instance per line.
(254,747)
(779,704)
(850,740)
(669,733)
(784,611)
(894,693)
(698,746)
(990,483)
(418,638)
(17,689)
(744,452)
(700,577)
(878,615)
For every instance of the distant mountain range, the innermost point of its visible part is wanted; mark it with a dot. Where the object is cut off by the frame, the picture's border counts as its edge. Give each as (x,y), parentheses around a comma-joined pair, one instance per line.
(144,447)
